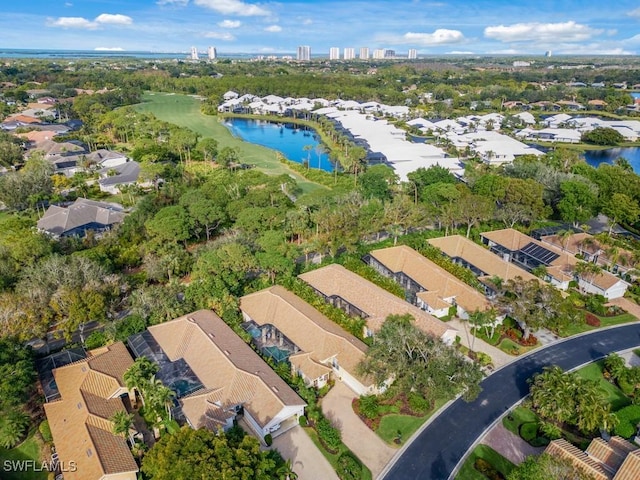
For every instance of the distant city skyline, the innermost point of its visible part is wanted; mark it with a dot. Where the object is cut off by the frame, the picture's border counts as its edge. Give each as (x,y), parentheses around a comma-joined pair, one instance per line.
(431,27)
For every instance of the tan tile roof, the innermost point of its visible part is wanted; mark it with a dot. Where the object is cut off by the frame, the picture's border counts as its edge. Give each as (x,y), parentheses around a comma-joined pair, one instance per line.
(307,365)
(223,361)
(606,453)
(457,246)
(583,242)
(431,277)
(79,421)
(376,302)
(311,331)
(563,449)
(630,469)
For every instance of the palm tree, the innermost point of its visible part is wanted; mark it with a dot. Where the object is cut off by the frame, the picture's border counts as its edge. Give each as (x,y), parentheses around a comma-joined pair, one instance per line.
(586,271)
(13,425)
(564,236)
(123,424)
(160,397)
(138,375)
(285,471)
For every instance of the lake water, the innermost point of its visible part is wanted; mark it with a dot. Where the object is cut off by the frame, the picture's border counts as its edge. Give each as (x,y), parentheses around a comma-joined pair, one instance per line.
(596,157)
(286,138)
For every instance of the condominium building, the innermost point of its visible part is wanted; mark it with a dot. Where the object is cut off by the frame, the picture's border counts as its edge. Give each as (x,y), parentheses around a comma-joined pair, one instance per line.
(389,53)
(413,54)
(378,53)
(194,53)
(212,53)
(304,53)
(349,53)
(364,53)
(334,53)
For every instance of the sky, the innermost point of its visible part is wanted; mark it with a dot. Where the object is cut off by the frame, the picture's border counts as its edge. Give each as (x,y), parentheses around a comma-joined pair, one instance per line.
(529,27)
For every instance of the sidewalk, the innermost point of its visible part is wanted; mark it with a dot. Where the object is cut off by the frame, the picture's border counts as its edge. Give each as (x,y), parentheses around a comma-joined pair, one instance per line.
(499,357)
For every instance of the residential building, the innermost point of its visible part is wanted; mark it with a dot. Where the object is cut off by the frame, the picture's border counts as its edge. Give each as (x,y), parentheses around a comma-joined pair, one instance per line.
(413,54)
(613,459)
(364,53)
(113,178)
(81,216)
(91,392)
(378,53)
(212,53)
(361,298)
(389,53)
(218,378)
(304,53)
(349,53)
(462,251)
(194,53)
(426,284)
(334,53)
(559,266)
(317,348)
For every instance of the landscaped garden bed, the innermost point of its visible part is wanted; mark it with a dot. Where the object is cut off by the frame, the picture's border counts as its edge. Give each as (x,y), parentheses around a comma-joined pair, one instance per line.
(485,463)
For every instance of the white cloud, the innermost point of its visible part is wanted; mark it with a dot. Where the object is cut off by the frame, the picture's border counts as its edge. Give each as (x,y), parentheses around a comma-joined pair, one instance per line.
(226,36)
(180,3)
(307,21)
(113,19)
(273,28)
(229,24)
(441,36)
(72,22)
(233,7)
(68,4)
(109,49)
(85,24)
(634,13)
(541,32)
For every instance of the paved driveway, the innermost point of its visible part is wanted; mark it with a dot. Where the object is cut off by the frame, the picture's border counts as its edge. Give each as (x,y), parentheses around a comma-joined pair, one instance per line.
(509,445)
(306,459)
(436,450)
(368,446)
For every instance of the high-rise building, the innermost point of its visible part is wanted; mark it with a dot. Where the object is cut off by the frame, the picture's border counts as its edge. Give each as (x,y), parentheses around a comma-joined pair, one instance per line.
(378,53)
(304,53)
(194,53)
(547,53)
(389,53)
(334,53)
(212,53)
(413,54)
(349,53)
(364,53)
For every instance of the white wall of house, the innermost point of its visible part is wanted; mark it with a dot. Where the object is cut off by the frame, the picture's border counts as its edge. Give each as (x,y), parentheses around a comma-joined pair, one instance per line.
(616,291)
(351,382)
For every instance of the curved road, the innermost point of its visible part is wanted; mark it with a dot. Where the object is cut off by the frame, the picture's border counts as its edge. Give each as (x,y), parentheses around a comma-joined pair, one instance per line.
(439,447)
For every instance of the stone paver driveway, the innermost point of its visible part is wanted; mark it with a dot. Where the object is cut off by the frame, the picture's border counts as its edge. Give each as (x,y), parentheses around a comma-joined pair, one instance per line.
(306,460)
(509,445)
(369,448)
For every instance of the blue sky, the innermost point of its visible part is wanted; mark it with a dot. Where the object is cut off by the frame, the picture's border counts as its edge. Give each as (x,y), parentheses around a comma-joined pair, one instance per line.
(233,26)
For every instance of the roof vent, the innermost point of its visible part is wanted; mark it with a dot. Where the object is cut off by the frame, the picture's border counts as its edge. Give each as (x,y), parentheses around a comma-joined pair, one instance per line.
(79,405)
(275,389)
(227,353)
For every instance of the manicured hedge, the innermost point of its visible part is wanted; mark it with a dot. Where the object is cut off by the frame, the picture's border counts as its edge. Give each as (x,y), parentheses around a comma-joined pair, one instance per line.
(628,418)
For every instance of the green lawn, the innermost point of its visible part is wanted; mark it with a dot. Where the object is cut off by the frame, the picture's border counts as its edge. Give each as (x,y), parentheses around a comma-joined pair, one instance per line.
(467,472)
(27,450)
(407,424)
(184,110)
(517,417)
(604,322)
(593,371)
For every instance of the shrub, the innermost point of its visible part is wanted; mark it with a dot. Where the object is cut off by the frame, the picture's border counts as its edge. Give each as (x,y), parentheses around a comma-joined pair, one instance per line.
(302,420)
(96,340)
(592,320)
(369,406)
(595,304)
(628,418)
(268,439)
(329,435)
(349,467)
(483,359)
(419,404)
(529,431)
(486,469)
(45,431)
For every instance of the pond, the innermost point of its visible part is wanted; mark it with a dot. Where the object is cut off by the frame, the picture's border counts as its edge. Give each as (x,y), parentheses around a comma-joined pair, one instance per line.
(287,138)
(596,157)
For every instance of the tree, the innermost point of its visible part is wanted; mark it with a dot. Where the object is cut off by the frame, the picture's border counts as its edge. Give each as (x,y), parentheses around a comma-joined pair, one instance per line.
(579,202)
(138,375)
(603,136)
(474,209)
(569,398)
(546,467)
(208,147)
(586,271)
(13,424)
(377,182)
(228,156)
(621,208)
(159,397)
(123,424)
(418,362)
(203,454)
(170,224)
(423,177)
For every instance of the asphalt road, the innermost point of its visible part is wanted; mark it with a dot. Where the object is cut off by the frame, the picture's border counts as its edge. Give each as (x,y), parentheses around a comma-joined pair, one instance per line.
(436,451)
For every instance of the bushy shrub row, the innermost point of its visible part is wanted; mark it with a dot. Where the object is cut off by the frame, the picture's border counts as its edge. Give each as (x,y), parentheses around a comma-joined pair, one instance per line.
(329,435)
(628,418)
(349,467)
